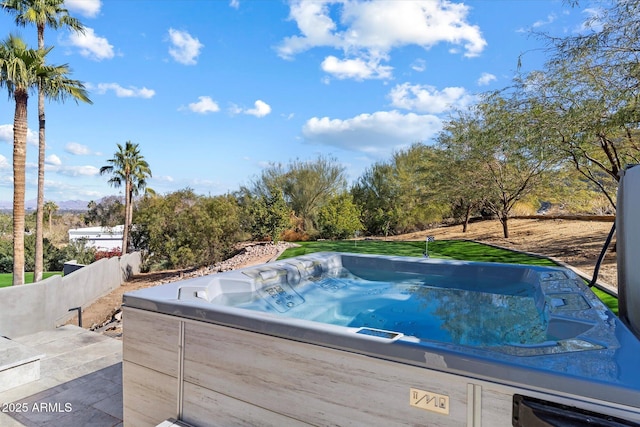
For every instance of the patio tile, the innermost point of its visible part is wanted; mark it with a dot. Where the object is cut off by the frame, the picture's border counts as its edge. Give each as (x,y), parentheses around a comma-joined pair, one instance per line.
(80,383)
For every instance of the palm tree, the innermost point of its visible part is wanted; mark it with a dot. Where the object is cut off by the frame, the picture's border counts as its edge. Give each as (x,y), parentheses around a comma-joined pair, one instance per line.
(128,167)
(42,13)
(50,208)
(17,76)
(23,70)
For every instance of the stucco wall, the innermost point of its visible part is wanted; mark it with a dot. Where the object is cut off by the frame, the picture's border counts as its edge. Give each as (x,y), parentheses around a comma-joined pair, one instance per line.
(44,305)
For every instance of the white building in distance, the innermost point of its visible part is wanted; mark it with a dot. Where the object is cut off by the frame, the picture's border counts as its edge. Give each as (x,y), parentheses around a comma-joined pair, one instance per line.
(101,238)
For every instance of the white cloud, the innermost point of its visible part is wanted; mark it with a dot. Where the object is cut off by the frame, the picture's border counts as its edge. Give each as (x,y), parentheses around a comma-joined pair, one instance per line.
(4,163)
(91,46)
(234,4)
(316,27)
(358,68)
(32,137)
(550,18)
(204,105)
(368,31)
(486,78)
(6,135)
(260,109)
(185,48)
(427,99)
(79,171)
(88,8)
(77,149)
(53,160)
(64,189)
(419,65)
(235,109)
(6,180)
(424,23)
(376,134)
(593,21)
(128,92)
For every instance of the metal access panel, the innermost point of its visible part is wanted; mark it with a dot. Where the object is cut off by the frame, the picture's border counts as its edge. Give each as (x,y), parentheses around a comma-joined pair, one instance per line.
(628,248)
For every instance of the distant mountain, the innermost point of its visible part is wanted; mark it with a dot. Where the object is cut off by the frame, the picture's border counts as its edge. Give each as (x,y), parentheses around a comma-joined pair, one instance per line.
(73,205)
(67,205)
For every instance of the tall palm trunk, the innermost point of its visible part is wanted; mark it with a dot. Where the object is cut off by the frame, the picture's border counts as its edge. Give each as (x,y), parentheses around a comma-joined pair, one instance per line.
(19,160)
(127,219)
(39,261)
(130,215)
(39,255)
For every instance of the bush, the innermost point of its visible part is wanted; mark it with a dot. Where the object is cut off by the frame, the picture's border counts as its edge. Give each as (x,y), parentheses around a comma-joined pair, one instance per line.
(54,258)
(339,218)
(79,251)
(6,264)
(295,236)
(110,253)
(182,229)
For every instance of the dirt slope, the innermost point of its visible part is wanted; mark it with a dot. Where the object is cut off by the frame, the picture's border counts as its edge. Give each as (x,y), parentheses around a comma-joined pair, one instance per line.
(577,243)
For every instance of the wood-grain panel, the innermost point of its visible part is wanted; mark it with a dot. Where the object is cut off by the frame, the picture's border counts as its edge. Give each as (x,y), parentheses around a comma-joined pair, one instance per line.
(151,340)
(317,385)
(149,397)
(206,408)
(497,406)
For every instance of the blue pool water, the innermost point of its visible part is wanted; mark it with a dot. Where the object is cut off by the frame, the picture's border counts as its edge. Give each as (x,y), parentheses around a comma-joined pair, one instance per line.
(426,307)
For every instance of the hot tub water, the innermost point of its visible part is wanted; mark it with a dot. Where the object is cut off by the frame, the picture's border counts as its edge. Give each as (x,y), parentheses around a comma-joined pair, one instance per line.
(426,307)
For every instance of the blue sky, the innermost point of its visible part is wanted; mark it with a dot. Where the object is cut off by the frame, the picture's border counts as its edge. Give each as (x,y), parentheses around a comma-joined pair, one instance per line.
(213,91)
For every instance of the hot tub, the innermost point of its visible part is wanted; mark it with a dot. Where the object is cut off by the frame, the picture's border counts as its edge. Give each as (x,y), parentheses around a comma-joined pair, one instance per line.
(344,339)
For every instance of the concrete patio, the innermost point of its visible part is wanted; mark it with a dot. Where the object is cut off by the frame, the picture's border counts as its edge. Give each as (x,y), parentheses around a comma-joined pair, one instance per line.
(80,382)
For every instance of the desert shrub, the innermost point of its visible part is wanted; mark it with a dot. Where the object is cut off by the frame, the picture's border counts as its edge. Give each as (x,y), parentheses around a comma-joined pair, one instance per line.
(339,218)
(295,236)
(267,214)
(182,229)
(106,213)
(525,207)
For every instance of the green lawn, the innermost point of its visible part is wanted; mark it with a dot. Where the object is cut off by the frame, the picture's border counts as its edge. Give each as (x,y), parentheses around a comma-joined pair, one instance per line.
(6,279)
(451,249)
(609,300)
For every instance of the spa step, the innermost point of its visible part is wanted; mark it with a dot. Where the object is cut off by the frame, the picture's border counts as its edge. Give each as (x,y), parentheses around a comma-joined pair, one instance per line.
(19,364)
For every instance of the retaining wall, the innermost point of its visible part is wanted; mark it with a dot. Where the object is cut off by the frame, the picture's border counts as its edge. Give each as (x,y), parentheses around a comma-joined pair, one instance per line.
(35,307)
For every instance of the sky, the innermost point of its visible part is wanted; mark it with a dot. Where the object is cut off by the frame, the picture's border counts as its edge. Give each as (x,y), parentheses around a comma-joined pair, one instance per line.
(213,91)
